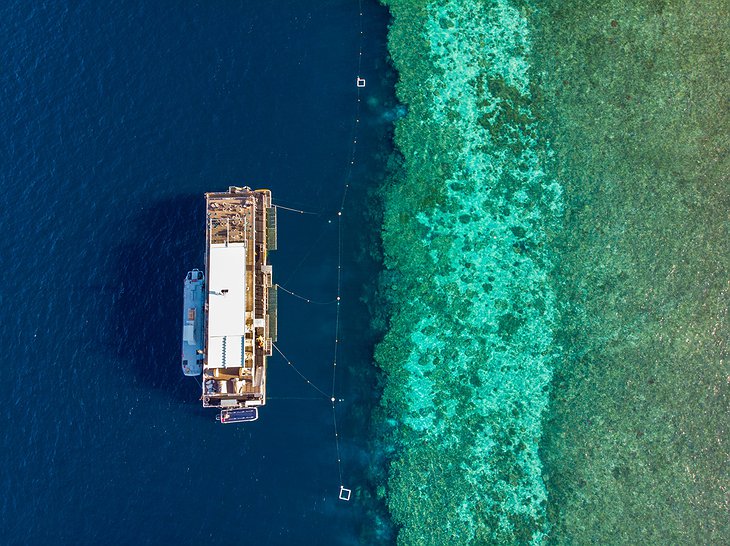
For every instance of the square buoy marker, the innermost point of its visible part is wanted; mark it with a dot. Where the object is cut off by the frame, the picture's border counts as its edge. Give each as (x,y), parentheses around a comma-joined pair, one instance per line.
(345,494)
(361,82)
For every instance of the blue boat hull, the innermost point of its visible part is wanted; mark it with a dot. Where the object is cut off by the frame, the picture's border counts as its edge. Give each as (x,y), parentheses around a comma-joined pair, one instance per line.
(193,321)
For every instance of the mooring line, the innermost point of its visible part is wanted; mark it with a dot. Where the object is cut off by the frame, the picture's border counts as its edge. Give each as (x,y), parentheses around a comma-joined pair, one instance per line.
(315,387)
(296,210)
(337,447)
(319,399)
(335,351)
(344,493)
(308,300)
(306,255)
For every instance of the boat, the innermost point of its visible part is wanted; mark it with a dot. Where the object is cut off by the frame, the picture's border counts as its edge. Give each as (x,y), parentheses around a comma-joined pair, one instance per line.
(238,415)
(192,335)
(239,301)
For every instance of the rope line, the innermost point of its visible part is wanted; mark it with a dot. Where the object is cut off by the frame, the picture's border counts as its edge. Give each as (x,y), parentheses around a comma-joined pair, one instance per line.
(314,245)
(344,494)
(348,178)
(315,387)
(337,445)
(294,398)
(306,299)
(295,210)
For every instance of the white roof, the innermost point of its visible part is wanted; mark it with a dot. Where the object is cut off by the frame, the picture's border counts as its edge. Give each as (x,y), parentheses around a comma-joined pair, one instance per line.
(226,305)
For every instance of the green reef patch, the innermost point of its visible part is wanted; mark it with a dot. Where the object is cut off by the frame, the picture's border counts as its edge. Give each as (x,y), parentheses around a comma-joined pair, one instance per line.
(636,446)
(468,352)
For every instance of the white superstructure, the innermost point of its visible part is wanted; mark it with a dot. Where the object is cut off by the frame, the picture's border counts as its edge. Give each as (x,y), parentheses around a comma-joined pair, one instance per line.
(240,315)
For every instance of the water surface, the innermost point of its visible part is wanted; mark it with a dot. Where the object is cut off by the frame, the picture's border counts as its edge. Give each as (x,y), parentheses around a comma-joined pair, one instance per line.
(117,118)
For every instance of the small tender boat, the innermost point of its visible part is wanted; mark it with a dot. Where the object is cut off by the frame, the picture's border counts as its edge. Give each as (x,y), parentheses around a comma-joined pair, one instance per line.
(239,415)
(192,334)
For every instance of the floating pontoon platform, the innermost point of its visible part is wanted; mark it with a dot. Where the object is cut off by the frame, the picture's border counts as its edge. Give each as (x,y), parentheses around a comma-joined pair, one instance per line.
(240,315)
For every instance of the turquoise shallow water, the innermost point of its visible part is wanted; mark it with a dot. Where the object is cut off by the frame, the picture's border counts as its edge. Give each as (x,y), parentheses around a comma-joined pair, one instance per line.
(470,347)
(555,240)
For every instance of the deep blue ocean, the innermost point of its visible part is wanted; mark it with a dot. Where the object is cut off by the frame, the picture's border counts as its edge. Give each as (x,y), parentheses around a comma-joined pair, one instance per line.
(116,117)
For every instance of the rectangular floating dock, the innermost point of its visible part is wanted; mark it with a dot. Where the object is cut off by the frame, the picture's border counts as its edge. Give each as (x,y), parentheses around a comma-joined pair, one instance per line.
(240,320)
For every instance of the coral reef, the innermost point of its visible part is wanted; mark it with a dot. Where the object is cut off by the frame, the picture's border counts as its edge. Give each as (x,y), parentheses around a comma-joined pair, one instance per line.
(468,351)
(634,101)
(556,362)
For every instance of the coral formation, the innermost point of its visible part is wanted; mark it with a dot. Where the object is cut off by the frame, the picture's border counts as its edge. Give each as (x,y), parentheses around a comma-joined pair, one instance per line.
(636,445)
(467,355)
(586,318)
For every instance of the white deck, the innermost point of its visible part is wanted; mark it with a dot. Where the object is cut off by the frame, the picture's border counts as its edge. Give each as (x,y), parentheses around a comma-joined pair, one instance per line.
(226,305)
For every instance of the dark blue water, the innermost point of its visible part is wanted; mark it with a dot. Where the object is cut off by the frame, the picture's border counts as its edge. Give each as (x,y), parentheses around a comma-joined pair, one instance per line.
(115,118)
